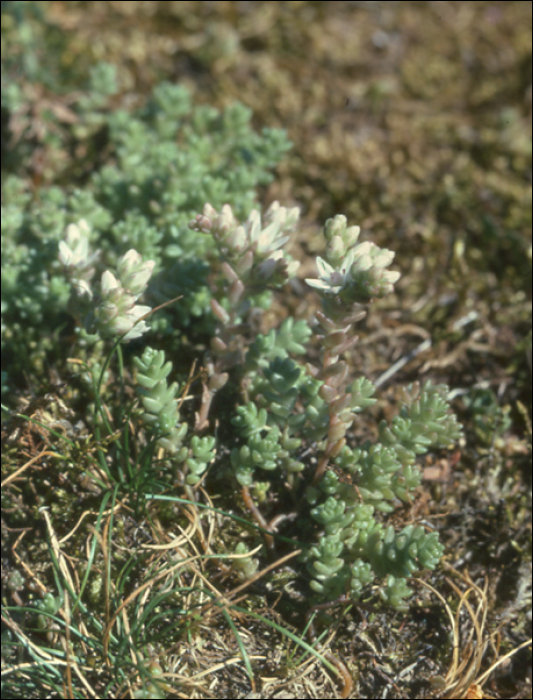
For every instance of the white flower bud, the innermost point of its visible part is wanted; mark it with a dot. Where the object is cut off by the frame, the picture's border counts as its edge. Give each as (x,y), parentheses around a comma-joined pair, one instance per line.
(109,282)
(336,250)
(351,235)
(335,226)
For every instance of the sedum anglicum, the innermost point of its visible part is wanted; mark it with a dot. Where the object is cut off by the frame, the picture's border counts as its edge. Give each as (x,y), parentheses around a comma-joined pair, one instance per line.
(252,250)
(280,428)
(294,419)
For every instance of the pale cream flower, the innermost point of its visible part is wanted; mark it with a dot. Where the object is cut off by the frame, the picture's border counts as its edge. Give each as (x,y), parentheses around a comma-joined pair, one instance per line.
(74,250)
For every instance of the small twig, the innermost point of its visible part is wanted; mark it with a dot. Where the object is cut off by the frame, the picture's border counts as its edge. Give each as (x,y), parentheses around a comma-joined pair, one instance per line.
(248,502)
(396,367)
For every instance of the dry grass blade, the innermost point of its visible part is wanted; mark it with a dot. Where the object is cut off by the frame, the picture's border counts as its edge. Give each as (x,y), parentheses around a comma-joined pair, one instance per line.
(463,679)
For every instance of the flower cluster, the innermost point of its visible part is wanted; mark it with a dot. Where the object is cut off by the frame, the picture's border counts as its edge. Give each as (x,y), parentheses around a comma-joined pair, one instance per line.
(352,273)
(118,312)
(253,248)
(115,312)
